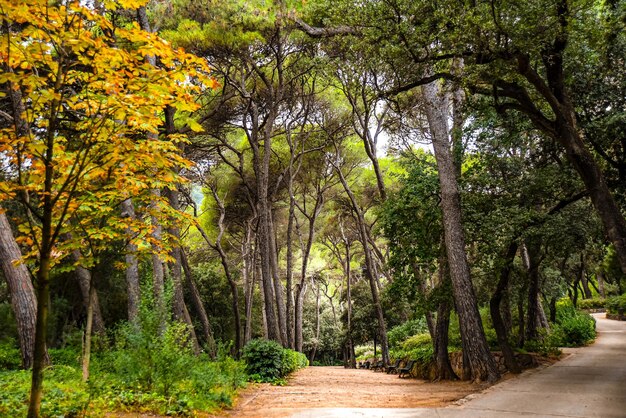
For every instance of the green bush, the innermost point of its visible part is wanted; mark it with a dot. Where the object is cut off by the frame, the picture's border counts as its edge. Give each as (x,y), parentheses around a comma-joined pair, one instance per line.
(10,356)
(577,330)
(595,303)
(400,333)
(67,356)
(616,304)
(268,361)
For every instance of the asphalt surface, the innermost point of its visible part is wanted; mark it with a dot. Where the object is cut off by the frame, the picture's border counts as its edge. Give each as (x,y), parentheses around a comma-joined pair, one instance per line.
(590,382)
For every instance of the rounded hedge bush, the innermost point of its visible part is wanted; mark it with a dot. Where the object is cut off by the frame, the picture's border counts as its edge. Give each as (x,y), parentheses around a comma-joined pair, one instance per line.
(268,361)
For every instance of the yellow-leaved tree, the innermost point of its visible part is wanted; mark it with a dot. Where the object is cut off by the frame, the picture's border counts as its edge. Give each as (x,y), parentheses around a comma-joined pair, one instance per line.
(83,99)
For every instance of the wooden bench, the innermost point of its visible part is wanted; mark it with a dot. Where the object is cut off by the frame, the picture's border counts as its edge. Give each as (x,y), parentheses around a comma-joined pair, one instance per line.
(394,368)
(407,369)
(379,366)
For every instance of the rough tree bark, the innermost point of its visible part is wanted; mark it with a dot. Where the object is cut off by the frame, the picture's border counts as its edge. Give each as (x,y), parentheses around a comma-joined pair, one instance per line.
(196,299)
(21,290)
(494,308)
(481,361)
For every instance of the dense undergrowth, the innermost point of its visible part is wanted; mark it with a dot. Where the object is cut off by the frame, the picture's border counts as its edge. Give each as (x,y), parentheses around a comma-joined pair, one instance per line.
(411,340)
(147,367)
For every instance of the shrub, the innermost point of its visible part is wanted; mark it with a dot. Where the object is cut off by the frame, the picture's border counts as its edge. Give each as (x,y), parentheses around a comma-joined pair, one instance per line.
(577,330)
(268,361)
(10,356)
(595,303)
(616,304)
(400,333)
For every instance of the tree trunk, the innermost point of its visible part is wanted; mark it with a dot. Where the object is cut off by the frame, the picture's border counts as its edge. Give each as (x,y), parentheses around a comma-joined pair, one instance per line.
(181,313)
(600,278)
(39,360)
(21,290)
(317,323)
(301,289)
(583,278)
(443,367)
(88,328)
(360,218)
(249,276)
(496,315)
(196,299)
(132,266)
(90,296)
(281,307)
(481,361)
(531,260)
(521,339)
(289,272)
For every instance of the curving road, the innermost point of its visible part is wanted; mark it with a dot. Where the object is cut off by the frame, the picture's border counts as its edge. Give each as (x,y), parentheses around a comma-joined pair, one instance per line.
(590,382)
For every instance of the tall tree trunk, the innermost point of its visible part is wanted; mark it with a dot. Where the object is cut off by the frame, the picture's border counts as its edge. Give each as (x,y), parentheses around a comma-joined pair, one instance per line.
(496,314)
(132,266)
(443,367)
(196,299)
(317,323)
(21,290)
(481,361)
(91,299)
(521,336)
(249,277)
(583,278)
(301,289)
(565,131)
(181,313)
(281,307)
(360,218)
(39,359)
(289,270)
(532,260)
(348,275)
(90,296)
(234,290)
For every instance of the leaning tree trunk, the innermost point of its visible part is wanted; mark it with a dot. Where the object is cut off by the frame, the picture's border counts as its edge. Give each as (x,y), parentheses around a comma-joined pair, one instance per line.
(181,313)
(369,263)
(21,290)
(481,361)
(196,300)
(496,315)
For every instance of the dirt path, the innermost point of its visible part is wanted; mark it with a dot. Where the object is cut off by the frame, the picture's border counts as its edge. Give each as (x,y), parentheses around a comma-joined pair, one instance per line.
(336,387)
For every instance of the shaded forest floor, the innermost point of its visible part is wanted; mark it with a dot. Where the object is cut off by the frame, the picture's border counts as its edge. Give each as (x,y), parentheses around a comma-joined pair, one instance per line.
(336,387)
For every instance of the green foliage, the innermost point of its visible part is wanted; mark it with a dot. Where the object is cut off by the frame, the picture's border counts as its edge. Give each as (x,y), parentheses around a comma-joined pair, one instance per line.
(594,303)
(154,359)
(616,304)
(400,333)
(268,361)
(10,357)
(418,347)
(576,330)
(8,329)
(67,356)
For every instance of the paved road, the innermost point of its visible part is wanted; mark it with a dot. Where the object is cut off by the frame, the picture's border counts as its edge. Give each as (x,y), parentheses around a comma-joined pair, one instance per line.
(590,382)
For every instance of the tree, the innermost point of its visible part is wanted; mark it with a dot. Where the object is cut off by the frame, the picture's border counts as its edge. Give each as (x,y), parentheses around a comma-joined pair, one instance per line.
(78,100)
(21,289)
